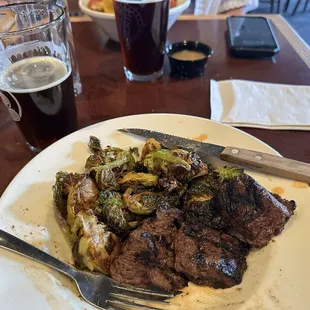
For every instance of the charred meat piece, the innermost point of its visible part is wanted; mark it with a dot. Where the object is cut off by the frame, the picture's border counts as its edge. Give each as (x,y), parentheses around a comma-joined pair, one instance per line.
(290,204)
(251,211)
(210,257)
(147,257)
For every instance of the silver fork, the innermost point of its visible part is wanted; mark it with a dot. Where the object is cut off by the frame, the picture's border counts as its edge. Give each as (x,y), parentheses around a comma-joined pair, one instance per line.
(98,290)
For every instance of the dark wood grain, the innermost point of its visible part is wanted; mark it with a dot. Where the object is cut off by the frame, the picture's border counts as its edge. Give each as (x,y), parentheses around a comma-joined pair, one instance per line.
(107,94)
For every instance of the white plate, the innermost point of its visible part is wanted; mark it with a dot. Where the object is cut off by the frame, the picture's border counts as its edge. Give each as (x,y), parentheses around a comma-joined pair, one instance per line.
(278,276)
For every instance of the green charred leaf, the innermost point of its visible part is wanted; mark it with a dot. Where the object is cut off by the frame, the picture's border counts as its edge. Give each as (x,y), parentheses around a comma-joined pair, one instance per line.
(59,197)
(94,144)
(228,173)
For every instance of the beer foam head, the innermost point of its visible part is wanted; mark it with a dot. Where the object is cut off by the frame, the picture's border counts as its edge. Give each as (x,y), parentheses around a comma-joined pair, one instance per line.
(33,74)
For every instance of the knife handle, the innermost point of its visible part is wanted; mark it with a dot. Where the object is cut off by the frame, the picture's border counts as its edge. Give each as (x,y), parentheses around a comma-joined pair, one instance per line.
(280,166)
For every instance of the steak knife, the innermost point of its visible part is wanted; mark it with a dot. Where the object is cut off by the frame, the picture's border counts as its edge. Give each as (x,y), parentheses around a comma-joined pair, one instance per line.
(263,162)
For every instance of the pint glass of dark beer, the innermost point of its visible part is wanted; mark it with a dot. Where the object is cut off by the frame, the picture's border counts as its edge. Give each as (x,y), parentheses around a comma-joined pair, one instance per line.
(35,72)
(142,29)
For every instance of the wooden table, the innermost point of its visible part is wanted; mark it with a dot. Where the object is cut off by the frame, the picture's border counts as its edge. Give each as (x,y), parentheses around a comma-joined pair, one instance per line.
(106,93)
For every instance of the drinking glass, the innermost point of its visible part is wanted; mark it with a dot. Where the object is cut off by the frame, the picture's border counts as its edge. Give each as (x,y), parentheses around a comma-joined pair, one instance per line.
(142,30)
(77,84)
(35,72)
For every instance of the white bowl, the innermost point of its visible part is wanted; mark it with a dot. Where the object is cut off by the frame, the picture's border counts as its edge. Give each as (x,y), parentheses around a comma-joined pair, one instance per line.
(106,21)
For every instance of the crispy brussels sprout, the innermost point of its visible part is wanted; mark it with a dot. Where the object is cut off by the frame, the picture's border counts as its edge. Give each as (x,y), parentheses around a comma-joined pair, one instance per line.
(179,164)
(207,184)
(161,161)
(105,178)
(138,180)
(150,146)
(103,156)
(145,203)
(107,155)
(82,196)
(210,183)
(202,208)
(106,175)
(75,191)
(114,212)
(172,186)
(95,246)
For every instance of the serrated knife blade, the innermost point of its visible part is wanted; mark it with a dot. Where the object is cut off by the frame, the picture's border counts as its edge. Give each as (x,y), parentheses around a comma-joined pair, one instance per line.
(263,162)
(170,141)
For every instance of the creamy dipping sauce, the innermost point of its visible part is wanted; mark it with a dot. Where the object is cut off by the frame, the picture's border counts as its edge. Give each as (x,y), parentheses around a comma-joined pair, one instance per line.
(188,55)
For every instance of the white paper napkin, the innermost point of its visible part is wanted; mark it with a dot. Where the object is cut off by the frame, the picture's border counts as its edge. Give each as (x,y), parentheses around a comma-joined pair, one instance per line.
(261,105)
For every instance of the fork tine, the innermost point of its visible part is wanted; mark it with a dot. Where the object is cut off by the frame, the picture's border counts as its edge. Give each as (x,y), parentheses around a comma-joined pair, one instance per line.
(131,304)
(143,291)
(134,298)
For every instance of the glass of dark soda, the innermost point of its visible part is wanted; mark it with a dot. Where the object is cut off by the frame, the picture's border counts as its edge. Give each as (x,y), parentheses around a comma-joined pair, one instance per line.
(142,30)
(35,72)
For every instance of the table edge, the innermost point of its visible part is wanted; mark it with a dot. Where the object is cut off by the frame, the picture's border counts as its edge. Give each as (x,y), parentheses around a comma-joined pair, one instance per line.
(296,42)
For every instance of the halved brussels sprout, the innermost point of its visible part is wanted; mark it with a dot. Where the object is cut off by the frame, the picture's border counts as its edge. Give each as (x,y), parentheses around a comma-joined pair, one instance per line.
(101,156)
(146,202)
(95,246)
(161,161)
(106,175)
(114,212)
(75,191)
(107,155)
(138,179)
(143,203)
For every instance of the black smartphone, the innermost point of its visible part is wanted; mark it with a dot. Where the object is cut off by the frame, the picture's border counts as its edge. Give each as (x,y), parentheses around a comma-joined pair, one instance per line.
(251,37)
